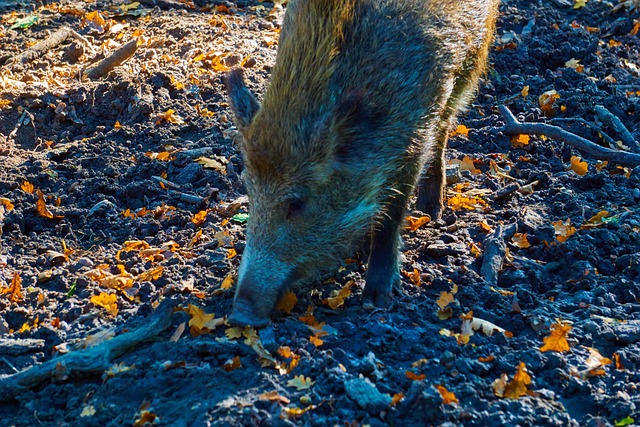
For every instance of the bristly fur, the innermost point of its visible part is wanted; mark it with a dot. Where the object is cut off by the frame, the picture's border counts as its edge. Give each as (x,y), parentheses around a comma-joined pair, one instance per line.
(362,95)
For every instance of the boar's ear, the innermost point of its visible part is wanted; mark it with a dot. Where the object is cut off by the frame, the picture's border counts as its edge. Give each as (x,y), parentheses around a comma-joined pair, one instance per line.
(243,104)
(354,123)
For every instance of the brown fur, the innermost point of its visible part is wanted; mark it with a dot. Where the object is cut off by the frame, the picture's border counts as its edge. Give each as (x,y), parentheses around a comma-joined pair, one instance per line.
(362,95)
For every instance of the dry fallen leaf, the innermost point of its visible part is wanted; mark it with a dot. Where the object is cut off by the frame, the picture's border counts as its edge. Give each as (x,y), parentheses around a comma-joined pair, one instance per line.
(287,302)
(227,283)
(578,166)
(41,208)
(563,229)
(546,101)
(520,140)
(415,377)
(520,240)
(448,397)
(232,364)
(337,300)
(15,289)
(300,382)
(414,276)
(413,223)
(557,340)
(466,164)
(106,301)
(460,130)
(274,397)
(27,187)
(199,218)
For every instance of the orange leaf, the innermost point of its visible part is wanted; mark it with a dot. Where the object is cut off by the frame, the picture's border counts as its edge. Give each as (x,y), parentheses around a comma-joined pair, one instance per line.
(445,299)
(41,208)
(546,101)
(287,302)
(414,377)
(563,230)
(578,166)
(448,397)
(396,398)
(6,203)
(232,364)
(15,289)
(199,218)
(413,222)
(460,130)
(488,359)
(518,386)
(557,340)
(520,240)
(27,187)
(414,276)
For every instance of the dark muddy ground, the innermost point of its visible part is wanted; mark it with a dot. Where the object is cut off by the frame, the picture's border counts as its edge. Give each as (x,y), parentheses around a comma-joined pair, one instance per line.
(90,147)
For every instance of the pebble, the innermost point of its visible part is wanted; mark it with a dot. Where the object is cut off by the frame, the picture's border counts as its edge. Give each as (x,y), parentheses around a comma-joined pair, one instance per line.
(366,395)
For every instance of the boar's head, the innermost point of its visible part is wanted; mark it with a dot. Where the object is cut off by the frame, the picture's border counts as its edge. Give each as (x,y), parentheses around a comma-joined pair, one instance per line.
(311,195)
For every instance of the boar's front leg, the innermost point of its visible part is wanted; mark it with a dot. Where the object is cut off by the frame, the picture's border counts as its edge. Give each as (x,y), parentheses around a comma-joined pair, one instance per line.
(432,182)
(383,271)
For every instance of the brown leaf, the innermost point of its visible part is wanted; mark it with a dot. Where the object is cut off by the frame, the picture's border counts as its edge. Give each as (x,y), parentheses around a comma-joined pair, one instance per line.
(287,302)
(15,289)
(448,397)
(41,208)
(557,340)
(413,223)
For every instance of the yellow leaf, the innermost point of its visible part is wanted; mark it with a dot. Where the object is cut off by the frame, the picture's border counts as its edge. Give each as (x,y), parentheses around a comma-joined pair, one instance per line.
(557,340)
(316,341)
(106,301)
(231,253)
(199,319)
(460,130)
(413,276)
(413,223)
(150,275)
(578,4)
(525,91)
(578,166)
(287,302)
(27,187)
(520,240)
(227,283)
(520,140)
(233,333)
(337,300)
(445,299)
(448,397)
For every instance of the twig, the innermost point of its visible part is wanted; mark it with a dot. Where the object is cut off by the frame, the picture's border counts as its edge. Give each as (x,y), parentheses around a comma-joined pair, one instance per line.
(495,249)
(188,198)
(112,61)
(166,182)
(93,359)
(604,135)
(514,127)
(611,120)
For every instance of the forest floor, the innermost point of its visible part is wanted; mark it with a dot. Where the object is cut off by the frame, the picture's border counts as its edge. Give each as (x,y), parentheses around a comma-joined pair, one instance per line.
(122,217)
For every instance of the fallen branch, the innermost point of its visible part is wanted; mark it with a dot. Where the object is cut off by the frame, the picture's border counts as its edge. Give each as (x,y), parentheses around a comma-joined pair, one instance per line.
(94,359)
(514,127)
(188,198)
(38,49)
(495,249)
(109,63)
(611,120)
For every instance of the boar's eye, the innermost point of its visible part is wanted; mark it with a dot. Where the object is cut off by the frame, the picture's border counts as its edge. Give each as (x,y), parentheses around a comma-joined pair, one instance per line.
(294,207)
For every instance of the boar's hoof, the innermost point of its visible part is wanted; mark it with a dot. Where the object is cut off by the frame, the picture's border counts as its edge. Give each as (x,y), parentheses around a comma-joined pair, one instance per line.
(377,298)
(242,319)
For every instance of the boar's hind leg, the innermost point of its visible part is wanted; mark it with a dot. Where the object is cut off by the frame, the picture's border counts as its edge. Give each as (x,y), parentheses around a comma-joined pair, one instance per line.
(383,272)
(432,182)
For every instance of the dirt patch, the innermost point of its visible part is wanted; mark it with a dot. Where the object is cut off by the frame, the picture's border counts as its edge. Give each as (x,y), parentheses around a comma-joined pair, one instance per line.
(116,160)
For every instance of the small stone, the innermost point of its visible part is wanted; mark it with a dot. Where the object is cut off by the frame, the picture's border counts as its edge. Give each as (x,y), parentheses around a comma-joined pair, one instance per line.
(366,395)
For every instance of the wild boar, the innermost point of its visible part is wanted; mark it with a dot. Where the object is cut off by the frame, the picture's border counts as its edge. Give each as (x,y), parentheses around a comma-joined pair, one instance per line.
(361,97)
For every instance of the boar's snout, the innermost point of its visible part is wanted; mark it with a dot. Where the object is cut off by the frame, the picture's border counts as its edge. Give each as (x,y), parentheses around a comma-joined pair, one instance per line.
(246,313)
(259,287)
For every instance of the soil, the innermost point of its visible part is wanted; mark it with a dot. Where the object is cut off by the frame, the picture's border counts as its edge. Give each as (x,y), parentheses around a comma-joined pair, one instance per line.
(91,147)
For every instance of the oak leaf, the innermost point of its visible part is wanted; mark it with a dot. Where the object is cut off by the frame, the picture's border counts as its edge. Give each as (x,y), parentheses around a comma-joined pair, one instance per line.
(557,340)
